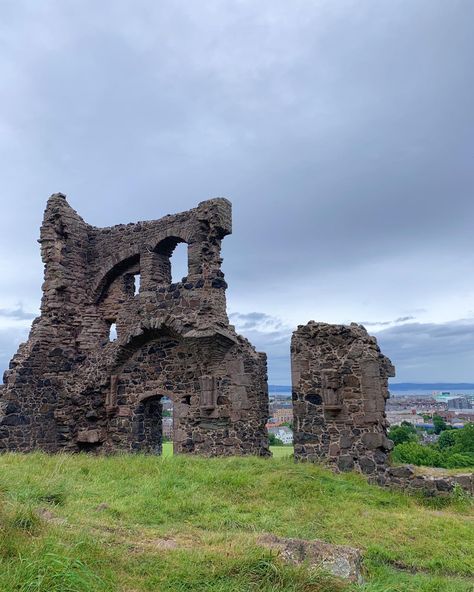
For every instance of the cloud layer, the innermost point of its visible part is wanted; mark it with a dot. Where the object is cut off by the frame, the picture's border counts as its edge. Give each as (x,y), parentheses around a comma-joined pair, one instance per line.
(343,132)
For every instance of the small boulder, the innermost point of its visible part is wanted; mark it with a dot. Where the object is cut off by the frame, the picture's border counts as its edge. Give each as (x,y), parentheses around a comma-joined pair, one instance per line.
(402,472)
(341,561)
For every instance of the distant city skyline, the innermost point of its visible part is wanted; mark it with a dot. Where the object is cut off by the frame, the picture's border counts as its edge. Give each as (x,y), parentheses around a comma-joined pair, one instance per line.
(343,134)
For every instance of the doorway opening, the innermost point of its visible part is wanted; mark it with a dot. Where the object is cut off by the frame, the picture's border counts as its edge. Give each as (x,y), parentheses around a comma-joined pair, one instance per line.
(167,426)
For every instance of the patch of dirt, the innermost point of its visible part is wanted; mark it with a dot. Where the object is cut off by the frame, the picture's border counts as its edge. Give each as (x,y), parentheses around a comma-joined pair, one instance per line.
(149,545)
(102,507)
(48,516)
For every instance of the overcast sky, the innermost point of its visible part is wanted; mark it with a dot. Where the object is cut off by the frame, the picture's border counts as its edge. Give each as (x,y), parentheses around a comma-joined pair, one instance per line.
(342,131)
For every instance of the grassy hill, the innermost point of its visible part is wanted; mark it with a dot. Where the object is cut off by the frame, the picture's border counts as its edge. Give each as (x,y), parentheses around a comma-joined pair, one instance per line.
(180,524)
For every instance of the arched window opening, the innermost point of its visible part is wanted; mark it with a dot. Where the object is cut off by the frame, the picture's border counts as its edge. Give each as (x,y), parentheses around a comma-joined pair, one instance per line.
(136,283)
(171,262)
(113,331)
(126,268)
(179,263)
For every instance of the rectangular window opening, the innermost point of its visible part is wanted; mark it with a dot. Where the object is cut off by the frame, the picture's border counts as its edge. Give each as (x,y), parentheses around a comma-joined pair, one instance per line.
(113,332)
(136,281)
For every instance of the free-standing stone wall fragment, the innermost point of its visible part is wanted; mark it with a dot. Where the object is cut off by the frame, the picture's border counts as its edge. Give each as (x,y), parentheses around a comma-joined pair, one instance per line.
(340,380)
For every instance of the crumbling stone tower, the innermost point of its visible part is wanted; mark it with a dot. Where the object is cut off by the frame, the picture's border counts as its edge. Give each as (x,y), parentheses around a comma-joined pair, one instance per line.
(340,385)
(72,387)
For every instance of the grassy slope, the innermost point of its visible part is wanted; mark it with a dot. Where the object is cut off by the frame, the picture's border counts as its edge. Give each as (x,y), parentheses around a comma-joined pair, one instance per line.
(136,523)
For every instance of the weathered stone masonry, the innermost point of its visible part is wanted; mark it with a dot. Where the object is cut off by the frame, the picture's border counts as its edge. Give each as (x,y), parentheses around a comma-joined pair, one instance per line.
(340,380)
(69,387)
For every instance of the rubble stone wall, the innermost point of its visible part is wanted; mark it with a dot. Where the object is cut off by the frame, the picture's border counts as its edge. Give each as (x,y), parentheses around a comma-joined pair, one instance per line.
(73,387)
(407,478)
(340,385)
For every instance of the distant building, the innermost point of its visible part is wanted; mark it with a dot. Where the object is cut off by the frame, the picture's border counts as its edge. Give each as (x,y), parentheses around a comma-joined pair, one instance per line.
(167,423)
(283,414)
(459,403)
(397,417)
(283,433)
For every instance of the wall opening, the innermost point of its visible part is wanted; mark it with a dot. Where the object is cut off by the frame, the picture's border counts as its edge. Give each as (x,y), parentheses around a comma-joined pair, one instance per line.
(136,283)
(113,331)
(281,422)
(179,263)
(89,447)
(167,425)
(150,435)
(129,266)
(171,261)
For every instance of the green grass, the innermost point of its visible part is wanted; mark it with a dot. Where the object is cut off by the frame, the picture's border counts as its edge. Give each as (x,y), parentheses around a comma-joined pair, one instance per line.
(277,451)
(181,524)
(282,451)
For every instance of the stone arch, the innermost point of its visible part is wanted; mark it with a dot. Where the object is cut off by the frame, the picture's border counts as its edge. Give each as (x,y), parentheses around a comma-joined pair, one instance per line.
(111,269)
(152,364)
(139,335)
(162,258)
(167,245)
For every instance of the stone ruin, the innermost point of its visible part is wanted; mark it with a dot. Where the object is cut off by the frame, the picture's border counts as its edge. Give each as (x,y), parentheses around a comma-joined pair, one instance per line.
(73,387)
(115,336)
(340,385)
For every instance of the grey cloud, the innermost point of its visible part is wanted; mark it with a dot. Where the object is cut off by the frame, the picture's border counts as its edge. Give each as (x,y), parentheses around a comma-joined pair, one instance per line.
(17,314)
(386,323)
(9,341)
(270,335)
(303,122)
(420,351)
(440,352)
(255,320)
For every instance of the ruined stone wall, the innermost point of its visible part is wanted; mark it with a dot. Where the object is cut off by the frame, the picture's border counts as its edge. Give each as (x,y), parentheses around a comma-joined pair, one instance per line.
(71,387)
(438,484)
(340,380)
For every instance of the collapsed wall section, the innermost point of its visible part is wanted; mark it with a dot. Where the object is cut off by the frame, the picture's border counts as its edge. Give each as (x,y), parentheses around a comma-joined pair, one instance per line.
(340,386)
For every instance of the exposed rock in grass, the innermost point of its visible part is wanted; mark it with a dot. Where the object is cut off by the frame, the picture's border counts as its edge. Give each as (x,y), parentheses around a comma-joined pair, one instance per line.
(164,544)
(48,516)
(341,561)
